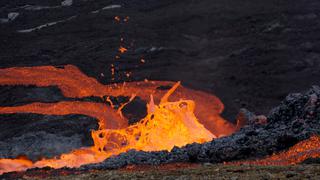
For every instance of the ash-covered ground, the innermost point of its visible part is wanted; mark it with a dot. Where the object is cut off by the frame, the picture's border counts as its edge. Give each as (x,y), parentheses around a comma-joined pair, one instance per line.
(250,54)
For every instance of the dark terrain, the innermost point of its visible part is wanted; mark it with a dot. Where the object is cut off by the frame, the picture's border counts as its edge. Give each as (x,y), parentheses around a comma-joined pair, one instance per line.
(191,171)
(251,54)
(207,171)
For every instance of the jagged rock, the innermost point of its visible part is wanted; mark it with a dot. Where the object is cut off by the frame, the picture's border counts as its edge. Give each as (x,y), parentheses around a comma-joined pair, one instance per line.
(135,110)
(245,117)
(38,136)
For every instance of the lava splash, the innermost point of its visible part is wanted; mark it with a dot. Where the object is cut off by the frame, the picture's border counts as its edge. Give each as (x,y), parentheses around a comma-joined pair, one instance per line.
(175,118)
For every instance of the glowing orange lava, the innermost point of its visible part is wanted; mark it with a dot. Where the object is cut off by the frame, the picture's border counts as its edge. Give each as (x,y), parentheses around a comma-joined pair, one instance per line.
(122,49)
(306,149)
(172,120)
(73,83)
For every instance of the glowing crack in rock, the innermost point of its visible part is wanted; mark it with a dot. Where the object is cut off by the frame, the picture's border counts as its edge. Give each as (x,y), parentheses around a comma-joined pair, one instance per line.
(298,153)
(172,120)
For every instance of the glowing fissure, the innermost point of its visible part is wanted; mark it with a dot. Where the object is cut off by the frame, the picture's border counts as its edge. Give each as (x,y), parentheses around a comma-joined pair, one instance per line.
(168,123)
(300,152)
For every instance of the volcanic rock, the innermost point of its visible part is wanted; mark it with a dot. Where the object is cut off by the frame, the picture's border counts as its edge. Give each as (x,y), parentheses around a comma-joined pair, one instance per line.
(38,136)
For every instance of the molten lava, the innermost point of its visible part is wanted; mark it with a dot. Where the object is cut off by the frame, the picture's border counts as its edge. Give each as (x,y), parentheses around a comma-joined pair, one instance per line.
(168,123)
(75,84)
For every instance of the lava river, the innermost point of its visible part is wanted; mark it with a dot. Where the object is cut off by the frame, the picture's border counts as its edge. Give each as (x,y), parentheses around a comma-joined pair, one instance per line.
(175,117)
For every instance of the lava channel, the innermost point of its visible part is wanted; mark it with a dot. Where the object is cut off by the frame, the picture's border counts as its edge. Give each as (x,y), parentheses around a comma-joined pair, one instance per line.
(175,117)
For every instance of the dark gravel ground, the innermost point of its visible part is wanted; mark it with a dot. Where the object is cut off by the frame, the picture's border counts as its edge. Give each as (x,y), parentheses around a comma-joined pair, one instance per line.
(207,171)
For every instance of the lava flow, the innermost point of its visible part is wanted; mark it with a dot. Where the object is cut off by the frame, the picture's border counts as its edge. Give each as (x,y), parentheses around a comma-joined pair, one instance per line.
(175,122)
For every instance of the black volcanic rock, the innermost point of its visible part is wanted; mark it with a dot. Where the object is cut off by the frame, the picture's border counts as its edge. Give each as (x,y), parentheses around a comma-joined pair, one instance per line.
(135,110)
(37,136)
(21,95)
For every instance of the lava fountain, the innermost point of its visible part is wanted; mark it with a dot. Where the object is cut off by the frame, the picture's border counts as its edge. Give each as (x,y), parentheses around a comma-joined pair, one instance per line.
(175,117)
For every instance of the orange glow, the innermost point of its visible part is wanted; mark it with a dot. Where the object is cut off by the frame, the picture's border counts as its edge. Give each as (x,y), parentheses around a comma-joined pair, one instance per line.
(126,19)
(128,74)
(73,83)
(7,165)
(173,119)
(117,18)
(107,117)
(306,149)
(122,49)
